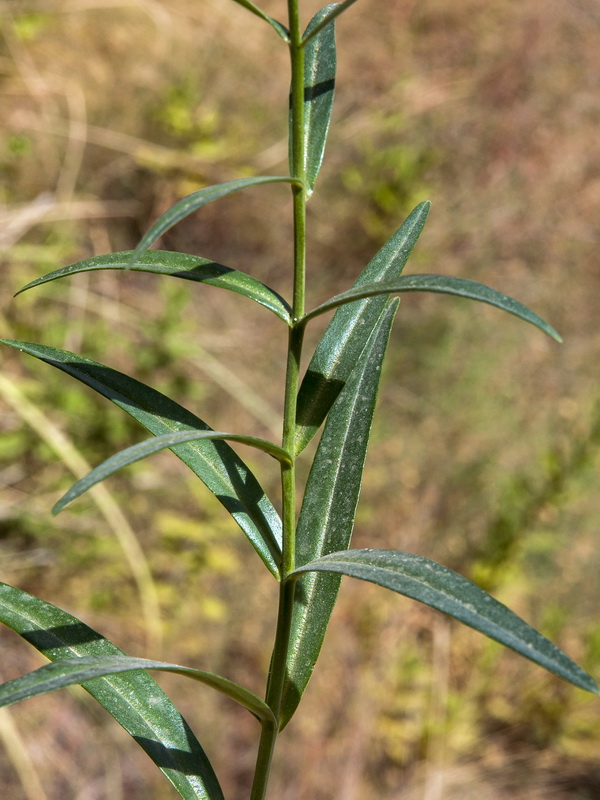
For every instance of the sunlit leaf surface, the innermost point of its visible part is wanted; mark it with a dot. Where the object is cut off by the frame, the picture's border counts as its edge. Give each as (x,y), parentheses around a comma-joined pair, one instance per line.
(144,449)
(214,462)
(178,265)
(447,591)
(438,284)
(329,506)
(342,342)
(319,84)
(134,699)
(195,201)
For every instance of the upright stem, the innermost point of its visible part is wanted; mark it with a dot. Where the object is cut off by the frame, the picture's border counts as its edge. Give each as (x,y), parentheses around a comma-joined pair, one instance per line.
(275,683)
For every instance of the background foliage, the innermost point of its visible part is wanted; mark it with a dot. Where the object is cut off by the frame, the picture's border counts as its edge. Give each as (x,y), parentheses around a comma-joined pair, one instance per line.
(112,111)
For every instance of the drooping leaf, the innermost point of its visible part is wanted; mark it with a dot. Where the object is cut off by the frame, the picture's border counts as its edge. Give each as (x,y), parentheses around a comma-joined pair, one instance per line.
(68,672)
(327,515)
(179,265)
(344,339)
(166,441)
(319,83)
(281,29)
(214,462)
(193,202)
(447,591)
(135,700)
(335,9)
(440,284)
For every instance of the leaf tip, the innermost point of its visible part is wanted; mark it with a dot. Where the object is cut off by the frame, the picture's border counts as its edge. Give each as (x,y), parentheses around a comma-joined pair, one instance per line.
(28,286)
(556,336)
(60,505)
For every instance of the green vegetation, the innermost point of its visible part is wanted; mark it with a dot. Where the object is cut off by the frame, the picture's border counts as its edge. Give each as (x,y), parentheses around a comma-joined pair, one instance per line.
(181,546)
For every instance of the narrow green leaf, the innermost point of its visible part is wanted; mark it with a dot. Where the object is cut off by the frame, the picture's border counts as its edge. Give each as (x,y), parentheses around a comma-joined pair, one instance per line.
(215,463)
(447,591)
(327,515)
(319,84)
(68,672)
(135,700)
(346,335)
(335,9)
(166,441)
(281,29)
(178,265)
(193,202)
(440,284)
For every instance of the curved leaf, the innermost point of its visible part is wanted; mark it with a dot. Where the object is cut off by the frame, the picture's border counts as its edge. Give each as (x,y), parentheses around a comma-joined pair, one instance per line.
(441,284)
(319,84)
(135,700)
(327,515)
(281,29)
(447,591)
(166,441)
(215,463)
(178,265)
(187,205)
(333,11)
(68,672)
(346,335)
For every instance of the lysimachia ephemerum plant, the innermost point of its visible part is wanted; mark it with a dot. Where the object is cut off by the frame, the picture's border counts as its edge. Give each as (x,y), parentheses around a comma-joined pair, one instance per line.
(307,554)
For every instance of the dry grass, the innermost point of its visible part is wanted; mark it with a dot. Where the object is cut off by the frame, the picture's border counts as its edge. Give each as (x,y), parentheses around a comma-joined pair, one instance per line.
(486,449)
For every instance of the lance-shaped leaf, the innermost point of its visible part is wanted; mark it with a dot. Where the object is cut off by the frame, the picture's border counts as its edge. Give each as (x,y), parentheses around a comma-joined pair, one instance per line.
(327,515)
(319,83)
(346,335)
(281,29)
(178,265)
(193,202)
(134,700)
(68,672)
(447,591)
(214,462)
(167,441)
(333,11)
(439,284)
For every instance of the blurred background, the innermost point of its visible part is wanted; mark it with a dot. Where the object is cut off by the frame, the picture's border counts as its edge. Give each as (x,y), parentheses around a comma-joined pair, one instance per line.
(485,445)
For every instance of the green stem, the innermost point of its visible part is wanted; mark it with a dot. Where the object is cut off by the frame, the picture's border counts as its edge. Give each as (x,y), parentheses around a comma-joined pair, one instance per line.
(276,680)
(274,692)
(298,169)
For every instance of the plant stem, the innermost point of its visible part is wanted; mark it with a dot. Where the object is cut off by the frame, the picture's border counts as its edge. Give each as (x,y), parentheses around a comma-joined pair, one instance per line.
(276,680)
